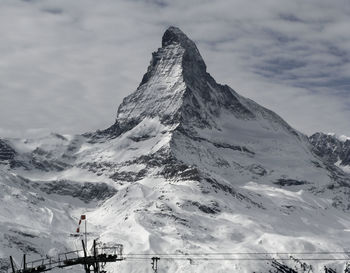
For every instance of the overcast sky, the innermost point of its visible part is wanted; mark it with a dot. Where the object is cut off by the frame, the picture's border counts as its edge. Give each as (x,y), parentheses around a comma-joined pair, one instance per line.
(65,65)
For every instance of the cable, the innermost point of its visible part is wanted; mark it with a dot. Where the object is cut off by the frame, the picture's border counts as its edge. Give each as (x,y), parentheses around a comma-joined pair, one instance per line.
(241,253)
(214,256)
(241,259)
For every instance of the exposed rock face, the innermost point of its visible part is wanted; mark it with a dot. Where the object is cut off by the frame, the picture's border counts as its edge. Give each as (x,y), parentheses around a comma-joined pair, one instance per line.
(331,148)
(86,192)
(7,153)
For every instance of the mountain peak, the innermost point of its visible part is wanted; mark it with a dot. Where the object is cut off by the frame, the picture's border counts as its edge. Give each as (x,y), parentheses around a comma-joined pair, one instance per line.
(175,35)
(177,89)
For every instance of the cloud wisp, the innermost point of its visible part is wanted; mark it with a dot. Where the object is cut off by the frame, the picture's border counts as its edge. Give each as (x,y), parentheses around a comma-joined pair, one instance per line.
(66,65)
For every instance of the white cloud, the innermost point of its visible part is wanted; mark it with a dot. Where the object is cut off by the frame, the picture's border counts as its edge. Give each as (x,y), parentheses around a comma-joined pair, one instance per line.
(66,65)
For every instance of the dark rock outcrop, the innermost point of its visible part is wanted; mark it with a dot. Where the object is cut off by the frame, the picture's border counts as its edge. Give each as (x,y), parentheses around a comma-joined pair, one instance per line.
(331,148)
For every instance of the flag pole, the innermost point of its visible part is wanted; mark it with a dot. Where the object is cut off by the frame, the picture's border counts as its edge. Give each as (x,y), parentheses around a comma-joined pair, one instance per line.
(83,218)
(85,234)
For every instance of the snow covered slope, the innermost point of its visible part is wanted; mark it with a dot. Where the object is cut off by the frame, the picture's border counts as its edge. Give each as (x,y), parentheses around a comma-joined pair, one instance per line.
(189,166)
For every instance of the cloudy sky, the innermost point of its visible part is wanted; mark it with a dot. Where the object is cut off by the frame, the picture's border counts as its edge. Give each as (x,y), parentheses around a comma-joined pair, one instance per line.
(66,65)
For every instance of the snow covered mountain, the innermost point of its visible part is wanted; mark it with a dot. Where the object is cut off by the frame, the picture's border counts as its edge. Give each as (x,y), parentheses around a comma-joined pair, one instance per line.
(189,166)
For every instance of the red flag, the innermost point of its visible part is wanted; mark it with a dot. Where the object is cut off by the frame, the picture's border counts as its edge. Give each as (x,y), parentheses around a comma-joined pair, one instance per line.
(78,230)
(83,217)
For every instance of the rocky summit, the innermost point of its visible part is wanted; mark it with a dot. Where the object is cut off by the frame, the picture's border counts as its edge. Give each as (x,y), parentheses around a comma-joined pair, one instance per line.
(190,170)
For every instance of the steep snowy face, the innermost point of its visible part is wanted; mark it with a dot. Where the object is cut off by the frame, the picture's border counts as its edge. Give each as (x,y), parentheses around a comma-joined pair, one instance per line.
(332,148)
(162,88)
(176,88)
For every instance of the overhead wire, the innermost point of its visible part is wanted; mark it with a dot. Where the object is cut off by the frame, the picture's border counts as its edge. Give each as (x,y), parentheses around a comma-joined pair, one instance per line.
(241,259)
(227,256)
(243,253)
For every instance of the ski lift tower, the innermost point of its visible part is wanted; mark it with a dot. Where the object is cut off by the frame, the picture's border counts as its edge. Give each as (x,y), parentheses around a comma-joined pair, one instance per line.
(94,262)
